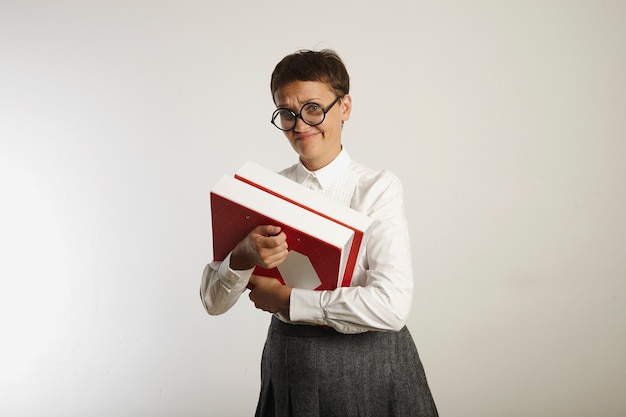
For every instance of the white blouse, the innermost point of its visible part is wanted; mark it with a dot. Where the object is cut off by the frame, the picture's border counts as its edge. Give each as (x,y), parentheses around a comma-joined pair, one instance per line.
(380,295)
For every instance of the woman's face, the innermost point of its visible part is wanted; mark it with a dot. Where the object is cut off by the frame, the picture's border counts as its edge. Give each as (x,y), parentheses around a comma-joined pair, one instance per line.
(316,145)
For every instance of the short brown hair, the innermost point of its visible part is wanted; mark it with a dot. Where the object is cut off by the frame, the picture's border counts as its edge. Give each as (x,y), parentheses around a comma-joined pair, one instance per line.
(306,65)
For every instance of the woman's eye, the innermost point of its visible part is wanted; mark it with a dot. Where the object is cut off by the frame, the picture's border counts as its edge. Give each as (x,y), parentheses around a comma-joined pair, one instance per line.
(313,108)
(285,114)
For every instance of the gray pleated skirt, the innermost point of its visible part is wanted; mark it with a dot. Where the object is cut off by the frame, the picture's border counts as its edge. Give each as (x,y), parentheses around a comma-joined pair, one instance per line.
(310,371)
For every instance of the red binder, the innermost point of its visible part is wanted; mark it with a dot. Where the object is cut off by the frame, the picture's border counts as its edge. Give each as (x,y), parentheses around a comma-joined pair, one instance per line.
(318,247)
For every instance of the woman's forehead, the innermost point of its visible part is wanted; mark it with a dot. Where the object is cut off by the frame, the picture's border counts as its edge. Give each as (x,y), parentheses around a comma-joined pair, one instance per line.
(300,92)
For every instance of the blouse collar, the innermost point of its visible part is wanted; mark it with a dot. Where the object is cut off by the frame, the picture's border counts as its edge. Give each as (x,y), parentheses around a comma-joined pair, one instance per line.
(328,174)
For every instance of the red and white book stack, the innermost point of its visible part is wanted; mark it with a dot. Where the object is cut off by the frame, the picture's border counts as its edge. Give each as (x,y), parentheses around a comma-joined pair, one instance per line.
(324,237)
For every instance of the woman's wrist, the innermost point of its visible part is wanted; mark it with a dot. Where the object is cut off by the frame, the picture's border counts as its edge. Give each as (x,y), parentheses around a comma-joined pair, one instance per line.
(238,260)
(285,297)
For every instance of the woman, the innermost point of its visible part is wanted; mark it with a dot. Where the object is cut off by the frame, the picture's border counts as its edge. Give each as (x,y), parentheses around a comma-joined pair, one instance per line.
(345,352)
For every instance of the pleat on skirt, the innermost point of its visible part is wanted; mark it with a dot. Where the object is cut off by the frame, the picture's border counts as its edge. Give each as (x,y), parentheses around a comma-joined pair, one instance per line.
(311,371)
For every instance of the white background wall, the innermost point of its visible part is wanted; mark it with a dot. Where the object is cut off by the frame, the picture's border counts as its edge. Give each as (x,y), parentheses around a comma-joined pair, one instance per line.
(504,119)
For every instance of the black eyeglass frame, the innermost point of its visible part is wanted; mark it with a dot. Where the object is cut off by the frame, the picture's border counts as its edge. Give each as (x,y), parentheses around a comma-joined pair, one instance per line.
(276,114)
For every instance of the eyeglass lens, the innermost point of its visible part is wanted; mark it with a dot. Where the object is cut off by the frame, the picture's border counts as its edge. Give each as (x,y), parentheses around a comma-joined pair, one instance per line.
(311,113)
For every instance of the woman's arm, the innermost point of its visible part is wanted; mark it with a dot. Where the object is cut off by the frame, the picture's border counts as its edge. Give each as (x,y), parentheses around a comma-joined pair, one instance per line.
(381,299)
(224,282)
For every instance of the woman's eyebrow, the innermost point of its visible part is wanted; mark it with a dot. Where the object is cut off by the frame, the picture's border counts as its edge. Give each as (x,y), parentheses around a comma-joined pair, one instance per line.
(303,102)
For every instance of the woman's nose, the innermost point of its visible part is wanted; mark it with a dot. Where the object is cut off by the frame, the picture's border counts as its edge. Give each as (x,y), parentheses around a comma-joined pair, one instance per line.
(300,125)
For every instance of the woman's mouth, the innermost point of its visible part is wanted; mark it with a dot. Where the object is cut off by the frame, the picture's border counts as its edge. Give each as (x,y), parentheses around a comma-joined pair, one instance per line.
(306,136)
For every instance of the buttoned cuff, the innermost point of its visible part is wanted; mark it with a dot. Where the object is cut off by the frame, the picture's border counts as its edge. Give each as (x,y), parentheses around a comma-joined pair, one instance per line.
(231,278)
(306,306)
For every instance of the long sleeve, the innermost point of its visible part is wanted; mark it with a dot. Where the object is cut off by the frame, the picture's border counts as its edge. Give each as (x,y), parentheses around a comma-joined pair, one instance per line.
(381,293)
(221,286)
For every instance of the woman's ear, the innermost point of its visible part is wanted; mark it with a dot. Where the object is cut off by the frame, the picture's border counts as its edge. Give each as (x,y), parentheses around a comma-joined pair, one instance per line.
(346,107)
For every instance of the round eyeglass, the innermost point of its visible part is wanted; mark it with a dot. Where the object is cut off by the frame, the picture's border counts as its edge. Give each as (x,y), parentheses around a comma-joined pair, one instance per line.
(312,114)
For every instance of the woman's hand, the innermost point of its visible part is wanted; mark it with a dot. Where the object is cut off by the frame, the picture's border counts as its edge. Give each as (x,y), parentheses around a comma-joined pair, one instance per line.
(268,294)
(265,246)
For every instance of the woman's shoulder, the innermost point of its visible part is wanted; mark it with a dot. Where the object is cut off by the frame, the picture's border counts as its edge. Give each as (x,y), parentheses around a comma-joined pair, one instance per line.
(289,172)
(379,178)
(376,188)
